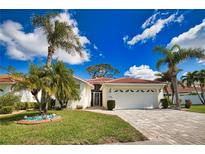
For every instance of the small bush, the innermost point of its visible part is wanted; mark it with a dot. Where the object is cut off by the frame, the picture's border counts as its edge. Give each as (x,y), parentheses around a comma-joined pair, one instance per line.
(6,109)
(188,103)
(79,107)
(8,100)
(110,104)
(24,105)
(18,106)
(165,103)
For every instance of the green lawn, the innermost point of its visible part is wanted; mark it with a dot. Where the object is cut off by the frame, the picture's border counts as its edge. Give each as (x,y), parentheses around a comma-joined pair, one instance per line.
(197,108)
(77,127)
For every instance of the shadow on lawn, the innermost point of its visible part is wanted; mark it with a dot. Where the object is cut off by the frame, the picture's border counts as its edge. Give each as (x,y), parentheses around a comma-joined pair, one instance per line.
(11,118)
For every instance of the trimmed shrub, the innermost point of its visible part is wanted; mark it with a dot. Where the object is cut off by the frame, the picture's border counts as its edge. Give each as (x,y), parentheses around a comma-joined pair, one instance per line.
(188,103)
(18,106)
(79,107)
(110,104)
(165,103)
(8,100)
(6,109)
(24,105)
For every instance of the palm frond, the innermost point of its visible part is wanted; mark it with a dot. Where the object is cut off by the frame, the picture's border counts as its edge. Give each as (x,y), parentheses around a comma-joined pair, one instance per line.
(160,62)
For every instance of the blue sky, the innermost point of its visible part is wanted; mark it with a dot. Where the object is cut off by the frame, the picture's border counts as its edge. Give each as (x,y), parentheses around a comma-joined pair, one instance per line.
(122,38)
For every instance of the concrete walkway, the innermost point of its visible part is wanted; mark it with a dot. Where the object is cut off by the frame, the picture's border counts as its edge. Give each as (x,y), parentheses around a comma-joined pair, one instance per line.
(165,126)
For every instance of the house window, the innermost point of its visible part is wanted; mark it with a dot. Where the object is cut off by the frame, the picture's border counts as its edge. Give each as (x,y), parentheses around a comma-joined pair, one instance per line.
(116,91)
(127,90)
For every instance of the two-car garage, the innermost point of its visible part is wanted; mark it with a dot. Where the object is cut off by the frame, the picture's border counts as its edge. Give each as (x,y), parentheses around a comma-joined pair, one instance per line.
(131,93)
(135,98)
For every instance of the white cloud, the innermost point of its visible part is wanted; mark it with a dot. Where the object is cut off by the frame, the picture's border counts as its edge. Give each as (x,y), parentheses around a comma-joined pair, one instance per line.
(125,38)
(26,46)
(193,38)
(180,18)
(152,26)
(142,72)
(152,31)
(150,21)
(95,47)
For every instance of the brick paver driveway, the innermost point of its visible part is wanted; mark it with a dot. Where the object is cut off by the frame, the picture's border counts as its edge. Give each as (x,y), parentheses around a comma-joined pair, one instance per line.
(165,126)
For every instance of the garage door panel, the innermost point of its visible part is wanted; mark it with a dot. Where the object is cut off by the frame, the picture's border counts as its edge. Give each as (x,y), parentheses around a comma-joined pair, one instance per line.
(136,99)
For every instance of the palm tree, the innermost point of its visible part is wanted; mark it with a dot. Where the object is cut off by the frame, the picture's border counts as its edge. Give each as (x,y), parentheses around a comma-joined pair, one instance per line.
(65,85)
(31,82)
(190,79)
(166,77)
(201,80)
(173,56)
(58,34)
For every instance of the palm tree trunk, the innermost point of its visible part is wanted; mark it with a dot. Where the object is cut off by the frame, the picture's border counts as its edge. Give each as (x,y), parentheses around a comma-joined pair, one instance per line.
(40,107)
(202,94)
(174,80)
(172,88)
(201,99)
(49,57)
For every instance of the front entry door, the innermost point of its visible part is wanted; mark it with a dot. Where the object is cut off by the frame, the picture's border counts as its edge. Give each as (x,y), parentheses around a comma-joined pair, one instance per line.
(96,98)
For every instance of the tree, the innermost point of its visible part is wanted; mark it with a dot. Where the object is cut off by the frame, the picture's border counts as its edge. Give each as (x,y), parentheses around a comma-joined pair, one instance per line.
(58,34)
(192,78)
(173,56)
(102,70)
(65,84)
(166,77)
(201,80)
(31,81)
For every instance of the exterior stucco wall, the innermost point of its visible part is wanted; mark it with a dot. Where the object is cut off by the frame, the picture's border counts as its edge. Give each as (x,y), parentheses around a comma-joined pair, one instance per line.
(157,95)
(85,96)
(25,95)
(194,98)
(6,89)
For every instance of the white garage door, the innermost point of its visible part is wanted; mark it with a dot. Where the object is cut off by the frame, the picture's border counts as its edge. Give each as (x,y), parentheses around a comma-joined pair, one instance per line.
(132,98)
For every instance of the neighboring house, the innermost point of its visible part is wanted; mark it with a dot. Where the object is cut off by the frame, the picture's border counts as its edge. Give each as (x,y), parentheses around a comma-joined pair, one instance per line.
(187,93)
(6,83)
(128,93)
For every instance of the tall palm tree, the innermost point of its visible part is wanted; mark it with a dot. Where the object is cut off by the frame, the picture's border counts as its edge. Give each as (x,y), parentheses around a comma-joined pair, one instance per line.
(173,56)
(190,79)
(59,35)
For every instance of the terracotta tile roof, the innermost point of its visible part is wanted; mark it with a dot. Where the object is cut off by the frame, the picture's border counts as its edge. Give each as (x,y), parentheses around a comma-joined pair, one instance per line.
(99,80)
(6,79)
(132,80)
(184,90)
